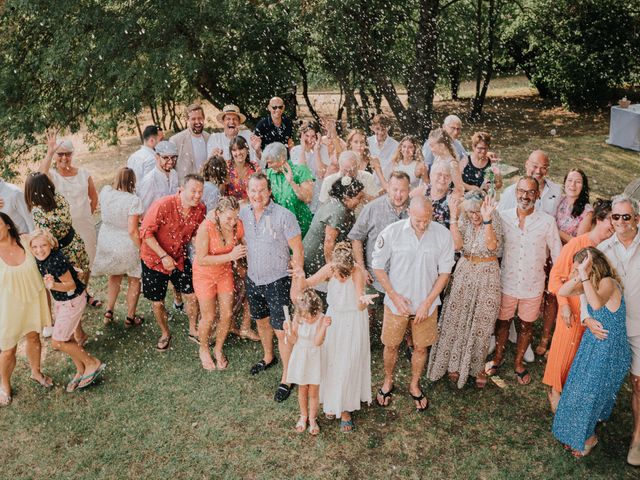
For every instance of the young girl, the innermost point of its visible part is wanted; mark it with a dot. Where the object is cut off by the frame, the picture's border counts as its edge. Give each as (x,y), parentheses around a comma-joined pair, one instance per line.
(69,302)
(603,358)
(346,356)
(306,332)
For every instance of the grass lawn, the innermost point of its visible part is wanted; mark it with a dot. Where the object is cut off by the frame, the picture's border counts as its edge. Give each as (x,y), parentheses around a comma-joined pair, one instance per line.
(162,416)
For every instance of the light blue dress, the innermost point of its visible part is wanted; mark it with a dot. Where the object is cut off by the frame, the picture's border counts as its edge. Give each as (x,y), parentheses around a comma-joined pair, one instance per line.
(596,375)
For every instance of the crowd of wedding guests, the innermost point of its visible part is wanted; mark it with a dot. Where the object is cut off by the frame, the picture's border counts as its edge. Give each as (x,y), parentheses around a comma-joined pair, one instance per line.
(320,244)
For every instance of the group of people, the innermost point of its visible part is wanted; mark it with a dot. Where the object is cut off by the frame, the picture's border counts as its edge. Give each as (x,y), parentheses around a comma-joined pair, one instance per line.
(316,244)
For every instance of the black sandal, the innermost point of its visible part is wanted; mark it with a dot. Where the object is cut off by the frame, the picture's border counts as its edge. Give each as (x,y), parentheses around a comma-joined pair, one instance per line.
(384,396)
(134,321)
(419,399)
(494,368)
(108,317)
(261,366)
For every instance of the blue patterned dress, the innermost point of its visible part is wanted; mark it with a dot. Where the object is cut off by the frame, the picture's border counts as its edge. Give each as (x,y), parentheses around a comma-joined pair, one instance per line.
(597,373)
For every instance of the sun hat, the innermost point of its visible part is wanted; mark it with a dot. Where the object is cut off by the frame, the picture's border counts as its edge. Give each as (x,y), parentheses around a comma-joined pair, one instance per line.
(230,109)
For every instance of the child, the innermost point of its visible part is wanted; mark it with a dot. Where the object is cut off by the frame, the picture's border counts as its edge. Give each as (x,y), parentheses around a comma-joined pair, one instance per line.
(69,302)
(346,356)
(306,333)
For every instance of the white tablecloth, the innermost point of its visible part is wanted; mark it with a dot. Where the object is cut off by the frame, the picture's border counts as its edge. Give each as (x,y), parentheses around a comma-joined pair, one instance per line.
(624,129)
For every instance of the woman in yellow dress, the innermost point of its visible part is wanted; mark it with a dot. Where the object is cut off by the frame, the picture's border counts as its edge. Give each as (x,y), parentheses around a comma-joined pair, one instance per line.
(23,308)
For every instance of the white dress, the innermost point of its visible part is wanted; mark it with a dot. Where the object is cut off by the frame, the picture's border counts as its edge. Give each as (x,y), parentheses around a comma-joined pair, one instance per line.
(410,170)
(76,191)
(304,363)
(346,355)
(117,254)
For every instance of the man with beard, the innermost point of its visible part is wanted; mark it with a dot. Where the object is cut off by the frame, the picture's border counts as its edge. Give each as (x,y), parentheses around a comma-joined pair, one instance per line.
(163,179)
(231,120)
(529,236)
(191,143)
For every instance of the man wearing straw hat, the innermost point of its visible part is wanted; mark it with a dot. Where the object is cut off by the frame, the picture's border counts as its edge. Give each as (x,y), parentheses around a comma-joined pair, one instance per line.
(231,120)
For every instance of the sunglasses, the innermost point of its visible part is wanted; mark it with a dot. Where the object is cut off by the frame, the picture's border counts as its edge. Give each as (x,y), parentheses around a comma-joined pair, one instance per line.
(277,107)
(617,216)
(64,154)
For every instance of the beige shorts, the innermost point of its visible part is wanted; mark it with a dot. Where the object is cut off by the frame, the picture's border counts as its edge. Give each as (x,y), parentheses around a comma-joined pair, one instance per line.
(424,334)
(634,342)
(528,308)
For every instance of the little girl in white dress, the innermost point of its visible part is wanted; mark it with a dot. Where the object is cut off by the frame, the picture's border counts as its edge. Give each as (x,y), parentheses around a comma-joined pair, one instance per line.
(346,355)
(306,332)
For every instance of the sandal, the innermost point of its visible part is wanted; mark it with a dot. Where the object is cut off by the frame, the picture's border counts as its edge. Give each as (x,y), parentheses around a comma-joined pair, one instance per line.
(5,399)
(87,380)
(108,317)
(314,428)
(329,416)
(44,382)
(586,451)
(347,426)
(493,369)
(522,375)
(163,344)
(542,348)
(301,426)
(194,338)
(134,321)
(72,386)
(93,302)
(419,398)
(385,396)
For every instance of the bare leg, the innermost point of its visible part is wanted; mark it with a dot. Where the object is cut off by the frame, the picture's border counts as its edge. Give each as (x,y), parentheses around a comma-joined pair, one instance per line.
(113,289)
(285,354)
(7,365)
(314,401)
(208,309)
(34,352)
(245,329)
(390,357)
(303,403)
(133,294)
(418,361)
(226,311)
(85,363)
(524,339)
(191,307)
(549,313)
(502,334)
(635,406)
(266,338)
(160,313)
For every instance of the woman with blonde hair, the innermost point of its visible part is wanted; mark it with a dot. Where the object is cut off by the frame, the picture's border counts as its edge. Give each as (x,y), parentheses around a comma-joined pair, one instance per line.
(118,253)
(602,361)
(441,145)
(408,159)
(219,245)
(357,142)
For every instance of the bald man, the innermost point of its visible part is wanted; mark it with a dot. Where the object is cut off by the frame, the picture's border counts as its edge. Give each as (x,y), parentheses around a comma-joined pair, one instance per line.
(275,127)
(418,256)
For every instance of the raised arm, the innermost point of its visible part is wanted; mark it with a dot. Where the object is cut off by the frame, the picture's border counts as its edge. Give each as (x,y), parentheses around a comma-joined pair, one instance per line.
(52,147)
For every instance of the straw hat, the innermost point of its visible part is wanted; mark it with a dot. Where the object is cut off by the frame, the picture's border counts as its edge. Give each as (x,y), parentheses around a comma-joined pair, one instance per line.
(227,109)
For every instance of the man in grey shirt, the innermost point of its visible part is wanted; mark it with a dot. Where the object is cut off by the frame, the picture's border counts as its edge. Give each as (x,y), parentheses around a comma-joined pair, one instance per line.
(375,216)
(270,231)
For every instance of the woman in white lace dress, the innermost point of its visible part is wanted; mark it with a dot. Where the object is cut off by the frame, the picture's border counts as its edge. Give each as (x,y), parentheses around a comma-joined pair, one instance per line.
(119,243)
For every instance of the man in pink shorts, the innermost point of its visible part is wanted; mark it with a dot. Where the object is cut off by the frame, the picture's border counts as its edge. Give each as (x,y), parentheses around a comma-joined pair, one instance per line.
(530,235)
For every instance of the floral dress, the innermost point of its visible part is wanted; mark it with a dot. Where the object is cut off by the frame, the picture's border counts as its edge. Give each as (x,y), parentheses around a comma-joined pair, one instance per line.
(441,211)
(237,187)
(565,221)
(58,222)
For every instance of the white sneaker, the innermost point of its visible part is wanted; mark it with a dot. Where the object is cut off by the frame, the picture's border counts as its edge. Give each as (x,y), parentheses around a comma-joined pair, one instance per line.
(513,335)
(492,345)
(47,332)
(529,357)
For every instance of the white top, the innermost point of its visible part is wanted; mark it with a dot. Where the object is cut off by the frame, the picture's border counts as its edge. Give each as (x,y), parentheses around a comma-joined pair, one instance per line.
(385,151)
(409,169)
(548,201)
(156,184)
(221,141)
(199,146)
(429,157)
(525,252)
(626,261)
(414,264)
(367,179)
(142,161)
(16,207)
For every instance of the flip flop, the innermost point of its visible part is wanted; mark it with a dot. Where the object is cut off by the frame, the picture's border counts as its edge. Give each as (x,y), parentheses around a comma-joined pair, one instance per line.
(87,380)
(93,302)
(385,396)
(72,386)
(492,369)
(134,321)
(44,382)
(419,398)
(521,377)
(163,344)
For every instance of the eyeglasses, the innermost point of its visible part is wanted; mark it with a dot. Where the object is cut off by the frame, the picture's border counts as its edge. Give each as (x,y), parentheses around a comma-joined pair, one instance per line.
(624,217)
(64,154)
(528,193)
(172,157)
(277,107)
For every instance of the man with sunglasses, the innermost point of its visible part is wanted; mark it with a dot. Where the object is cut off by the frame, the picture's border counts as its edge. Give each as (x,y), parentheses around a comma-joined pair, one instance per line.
(276,127)
(530,235)
(163,179)
(623,252)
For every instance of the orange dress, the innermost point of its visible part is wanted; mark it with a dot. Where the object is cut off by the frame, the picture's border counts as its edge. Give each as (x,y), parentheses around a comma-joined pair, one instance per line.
(566,340)
(209,280)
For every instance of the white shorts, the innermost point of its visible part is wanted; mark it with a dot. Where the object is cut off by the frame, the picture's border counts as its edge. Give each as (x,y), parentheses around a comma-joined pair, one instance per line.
(635,355)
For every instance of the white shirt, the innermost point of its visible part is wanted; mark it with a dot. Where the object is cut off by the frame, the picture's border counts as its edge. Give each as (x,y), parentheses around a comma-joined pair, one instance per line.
(366,178)
(429,157)
(384,152)
(199,151)
(626,261)
(221,141)
(525,252)
(16,207)
(142,161)
(156,184)
(414,265)
(548,201)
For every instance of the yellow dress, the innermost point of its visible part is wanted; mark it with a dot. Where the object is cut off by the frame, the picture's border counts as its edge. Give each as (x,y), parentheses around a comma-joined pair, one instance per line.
(23,302)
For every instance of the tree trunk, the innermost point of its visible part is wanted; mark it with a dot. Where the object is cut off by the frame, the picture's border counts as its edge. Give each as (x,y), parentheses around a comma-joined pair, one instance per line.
(304,74)
(454,81)
(485,64)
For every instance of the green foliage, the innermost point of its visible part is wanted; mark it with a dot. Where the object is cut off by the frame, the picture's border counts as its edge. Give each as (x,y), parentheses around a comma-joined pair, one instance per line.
(576,52)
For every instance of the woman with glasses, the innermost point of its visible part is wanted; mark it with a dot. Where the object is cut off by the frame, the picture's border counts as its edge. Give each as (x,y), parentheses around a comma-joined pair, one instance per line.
(475,166)
(76,186)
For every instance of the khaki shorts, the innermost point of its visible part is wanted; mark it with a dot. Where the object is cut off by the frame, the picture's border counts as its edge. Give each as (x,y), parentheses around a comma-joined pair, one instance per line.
(424,334)
(528,308)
